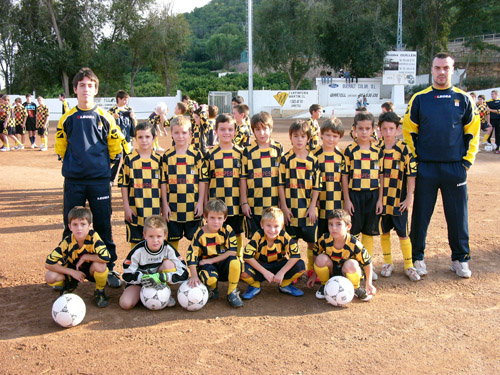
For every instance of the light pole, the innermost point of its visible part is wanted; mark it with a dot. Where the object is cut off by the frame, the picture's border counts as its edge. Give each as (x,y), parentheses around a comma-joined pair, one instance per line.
(250,59)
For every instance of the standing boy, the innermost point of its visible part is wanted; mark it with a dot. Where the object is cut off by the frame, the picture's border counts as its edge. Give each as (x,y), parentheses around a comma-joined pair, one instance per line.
(31,120)
(65,106)
(315,110)
(87,140)
(260,172)
(243,133)
(184,183)
(484,114)
(140,183)
(299,188)
(20,115)
(42,123)
(212,256)
(494,109)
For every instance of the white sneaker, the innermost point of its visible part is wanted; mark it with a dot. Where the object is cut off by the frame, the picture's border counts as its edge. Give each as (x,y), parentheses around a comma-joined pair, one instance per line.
(420,267)
(320,293)
(412,274)
(20,147)
(461,269)
(387,270)
(33,145)
(171,302)
(5,149)
(43,148)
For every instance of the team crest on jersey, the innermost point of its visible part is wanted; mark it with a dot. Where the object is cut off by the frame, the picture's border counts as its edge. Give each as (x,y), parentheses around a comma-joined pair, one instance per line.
(99,126)
(457,102)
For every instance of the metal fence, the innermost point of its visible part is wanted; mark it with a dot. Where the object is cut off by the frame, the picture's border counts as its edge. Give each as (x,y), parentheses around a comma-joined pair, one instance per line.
(222,99)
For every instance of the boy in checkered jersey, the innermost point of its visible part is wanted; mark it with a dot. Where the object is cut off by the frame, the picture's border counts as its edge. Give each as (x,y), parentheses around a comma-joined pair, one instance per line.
(243,133)
(139,180)
(184,183)
(212,256)
(42,122)
(260,175)
(315,110)
(332,163)
(224,170)
(20,114)
(360,181)
(299,188)
(398,184)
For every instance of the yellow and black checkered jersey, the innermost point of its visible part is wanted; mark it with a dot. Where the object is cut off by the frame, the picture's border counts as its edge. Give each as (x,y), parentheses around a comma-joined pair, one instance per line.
(299,177)
(243,134)
(4,110)
(198,129)
(399,164)
(182,175)
(65,106)
(167,121)
(12,119)
(154,119)
(142,177)
(42,114)
(20,114)
(331,165)
(314,141)
(224,170)
(68,252)
(363,167)
(261,167)
(284,247)
(208,245)
(483,112)
(353,249)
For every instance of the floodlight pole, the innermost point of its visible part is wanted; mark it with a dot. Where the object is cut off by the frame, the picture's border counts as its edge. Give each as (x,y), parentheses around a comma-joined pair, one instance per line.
(250,59)
(399,42)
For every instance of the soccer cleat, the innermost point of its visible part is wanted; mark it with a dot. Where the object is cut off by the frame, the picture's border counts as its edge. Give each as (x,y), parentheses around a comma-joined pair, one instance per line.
(21,147)
(362,295)
(234,298)
(291,290)
(387,270)
(320,293)
(251,292)
(213,293)
(412,274)
(100,298)
(461,269)
(114,280)
(33,145)
(43,148)
(5,149)
(420,267)
(70,285)
(171,302)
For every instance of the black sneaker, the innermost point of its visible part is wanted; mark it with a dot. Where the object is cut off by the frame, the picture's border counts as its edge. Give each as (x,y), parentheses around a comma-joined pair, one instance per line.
(320,294)
(234,298)
(361,294)
(70,285)
(100,298)
(213,293)
(114,280)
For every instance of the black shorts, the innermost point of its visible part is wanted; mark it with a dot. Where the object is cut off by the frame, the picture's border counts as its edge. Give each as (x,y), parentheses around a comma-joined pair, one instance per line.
(236,222)
(30,126)
(85,268)
(9,130)
(485,126)
(218,270)
(322,227)
(177,230)
(252,225)
(398,223)
(365,219)
(134,231)
(275,267)
(308,234)
(20,130)
(43,131)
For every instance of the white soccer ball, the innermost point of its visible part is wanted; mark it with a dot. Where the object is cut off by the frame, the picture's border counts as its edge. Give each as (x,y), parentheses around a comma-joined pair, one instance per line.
(488,148)
(68,310)
(192,299)
(339,291)
(155,298)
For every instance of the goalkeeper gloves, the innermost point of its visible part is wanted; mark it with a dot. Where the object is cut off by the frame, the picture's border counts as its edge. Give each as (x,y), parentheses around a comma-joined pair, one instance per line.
(154,279)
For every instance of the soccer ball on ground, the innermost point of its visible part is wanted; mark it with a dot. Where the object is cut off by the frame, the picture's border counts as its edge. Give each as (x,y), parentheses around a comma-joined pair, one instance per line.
(339,291)
(155,298)
(192,299)
(68,310)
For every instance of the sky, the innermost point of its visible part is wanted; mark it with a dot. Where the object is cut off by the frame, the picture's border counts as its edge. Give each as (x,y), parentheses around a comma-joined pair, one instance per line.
(183,6)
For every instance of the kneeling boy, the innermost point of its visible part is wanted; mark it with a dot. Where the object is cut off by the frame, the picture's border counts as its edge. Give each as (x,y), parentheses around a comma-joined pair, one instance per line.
(83,255)
(152,261)
(337,253)
(212,257)
(272,255)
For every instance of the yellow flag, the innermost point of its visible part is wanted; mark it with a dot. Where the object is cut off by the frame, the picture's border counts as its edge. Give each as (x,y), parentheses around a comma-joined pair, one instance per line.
(281,98)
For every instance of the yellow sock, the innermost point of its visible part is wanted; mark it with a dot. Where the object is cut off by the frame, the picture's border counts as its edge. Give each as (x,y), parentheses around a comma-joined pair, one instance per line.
(234,275)
(169,270)
(100,279)
(251,281)
(485,138)
(310,259)
(58,283)
(385,243)
(287,282)
(17,142)
(406,250)
(239,243)
(209,281)
(156,144)
(6,143)
(44,141)
(354,278)
(175,244)
(367,242)
(323,273)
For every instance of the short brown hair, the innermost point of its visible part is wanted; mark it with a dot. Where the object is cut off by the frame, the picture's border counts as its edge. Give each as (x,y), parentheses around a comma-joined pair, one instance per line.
(443,55)
(224,117)
(262,119)
(340,214)
(213,111)
(273,213)
(389,117)
(333,124)
(363,116)
(85,72)
(155,222)
(388,106)
(180,121)
(182,106)
(242,109)
(314,108)
(146,125)
(302,126)
(122,94)
(215,205)
(80,212)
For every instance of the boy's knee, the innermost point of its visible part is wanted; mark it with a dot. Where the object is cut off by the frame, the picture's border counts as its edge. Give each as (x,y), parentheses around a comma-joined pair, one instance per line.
(350,266)
(166,265)
(323,260)
(126,304)
(52,277)
(98,267)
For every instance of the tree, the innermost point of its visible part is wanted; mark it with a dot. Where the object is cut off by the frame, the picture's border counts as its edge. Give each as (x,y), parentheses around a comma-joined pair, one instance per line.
(7,41)
(284,38)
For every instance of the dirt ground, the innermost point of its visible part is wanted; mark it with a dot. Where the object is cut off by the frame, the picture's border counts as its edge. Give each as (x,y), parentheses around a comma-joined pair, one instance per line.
(441,325)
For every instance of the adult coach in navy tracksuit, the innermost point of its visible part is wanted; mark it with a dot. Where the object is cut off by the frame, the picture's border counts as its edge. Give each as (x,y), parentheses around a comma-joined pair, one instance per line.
(441,127)
(87,139)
